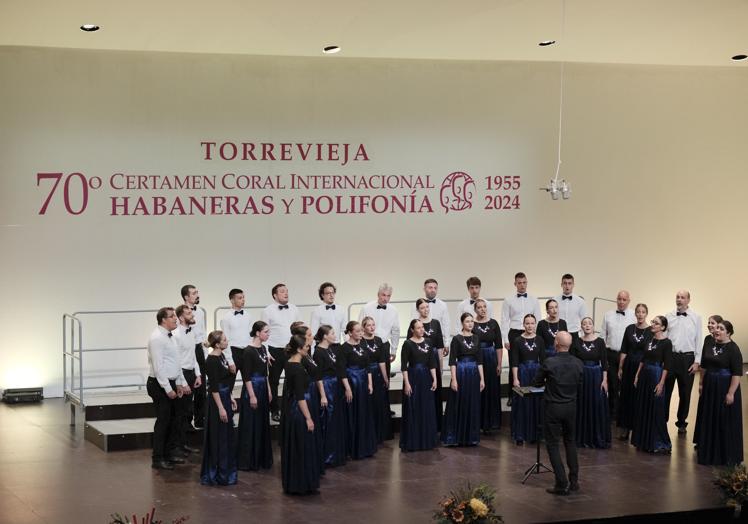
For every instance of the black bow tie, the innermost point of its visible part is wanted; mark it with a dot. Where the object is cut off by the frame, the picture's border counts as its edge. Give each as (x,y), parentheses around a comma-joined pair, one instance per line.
(565,297)
(194,308)
(382,307)
(621,312)
(330,307)
(282,306)
(431,300)
(472,301)
(684,314)
(240,312)
(521,295)
(169,334)
(188,329)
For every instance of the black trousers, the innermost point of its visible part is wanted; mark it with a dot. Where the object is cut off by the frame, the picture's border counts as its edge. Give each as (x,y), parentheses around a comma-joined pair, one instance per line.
(679,372)
(184,410)
(237,354)
(560,423)
(388,364)
(199,394)
(165,428)
(575,339)
(614,385)
(514,333)
(275,372)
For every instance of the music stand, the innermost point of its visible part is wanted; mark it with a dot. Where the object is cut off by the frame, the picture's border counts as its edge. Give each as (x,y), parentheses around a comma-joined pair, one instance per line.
(529,391)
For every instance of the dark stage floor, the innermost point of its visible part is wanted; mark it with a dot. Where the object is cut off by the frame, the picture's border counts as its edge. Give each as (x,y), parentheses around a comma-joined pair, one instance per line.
(49,473)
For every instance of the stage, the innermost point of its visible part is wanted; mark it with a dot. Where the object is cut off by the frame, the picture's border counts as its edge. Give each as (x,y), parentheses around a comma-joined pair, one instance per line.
(50,473)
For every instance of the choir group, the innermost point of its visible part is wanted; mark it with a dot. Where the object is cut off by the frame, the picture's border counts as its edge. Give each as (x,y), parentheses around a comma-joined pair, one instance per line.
(335,403)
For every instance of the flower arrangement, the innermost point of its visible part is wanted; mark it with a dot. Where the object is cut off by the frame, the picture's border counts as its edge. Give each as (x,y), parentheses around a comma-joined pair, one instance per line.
(146,519)
(732,481)
(467,505)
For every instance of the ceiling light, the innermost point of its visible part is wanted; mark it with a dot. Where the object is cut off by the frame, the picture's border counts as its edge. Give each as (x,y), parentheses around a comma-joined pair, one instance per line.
(545,43)
(331,49)
(89,28)
(739,58)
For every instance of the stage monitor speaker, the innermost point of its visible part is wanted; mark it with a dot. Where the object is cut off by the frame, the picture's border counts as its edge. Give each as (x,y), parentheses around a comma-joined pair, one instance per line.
(17,395)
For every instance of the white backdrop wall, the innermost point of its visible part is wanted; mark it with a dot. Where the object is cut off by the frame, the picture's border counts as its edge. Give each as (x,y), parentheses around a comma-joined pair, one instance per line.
(656,157)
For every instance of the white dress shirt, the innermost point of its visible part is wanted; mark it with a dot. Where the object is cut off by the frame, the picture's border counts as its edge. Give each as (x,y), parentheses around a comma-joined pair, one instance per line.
(440,312)
(513,313)
(332,316)
(199,328)
(280,318)
(685,332)
(614,326)
(236,324)
(185,336)
(468,306)
(572,311)
(387,321)
(163,359)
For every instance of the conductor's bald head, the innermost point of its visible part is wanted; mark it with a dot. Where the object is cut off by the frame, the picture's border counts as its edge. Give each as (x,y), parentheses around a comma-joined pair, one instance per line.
(563,341)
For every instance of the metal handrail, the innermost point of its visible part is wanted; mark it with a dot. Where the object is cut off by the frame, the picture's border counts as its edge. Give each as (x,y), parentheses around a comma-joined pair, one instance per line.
(594,307)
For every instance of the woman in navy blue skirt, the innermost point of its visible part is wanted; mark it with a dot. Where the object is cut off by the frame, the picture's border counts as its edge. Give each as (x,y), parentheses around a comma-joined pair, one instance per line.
(635,340)
(593,415)
(461,425)
(549,326)
(219,450)
(719,421)
(300,469)
(489,334)
(379,355)
(254,450)
(650,422)
(332,420)
(317,396)
(418,429)
(434,332)
(526,353)
(362,439)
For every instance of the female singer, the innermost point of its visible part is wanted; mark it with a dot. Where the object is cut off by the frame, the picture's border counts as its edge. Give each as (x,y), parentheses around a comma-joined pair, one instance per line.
(432,330)
(219,453)
(635,341)
(332,421)
(299,461)
(719,421)
(462,416)
(650,423)
(526,353)
(254,447)
(593,415)
(317,397)
(708,343)
(378,358)
(362,441)
(418,430)
(489,334)
(549,326)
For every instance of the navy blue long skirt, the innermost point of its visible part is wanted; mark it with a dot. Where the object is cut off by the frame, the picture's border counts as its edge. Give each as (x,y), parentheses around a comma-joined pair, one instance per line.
(362,440)
(418,428)
(490,397)
(300,463)
(438,395)
(254,447)
(627,400)
(593,412)
(380,400)
(550,351)
(719,428)
(462,417)
(527,412)
(650,425)
(315,410)
(332,424)
(219,445)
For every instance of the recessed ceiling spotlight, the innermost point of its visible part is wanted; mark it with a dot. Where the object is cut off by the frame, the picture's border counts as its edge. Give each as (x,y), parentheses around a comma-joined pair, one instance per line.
(89,28)
(331,49)
(545,43)
(739,58)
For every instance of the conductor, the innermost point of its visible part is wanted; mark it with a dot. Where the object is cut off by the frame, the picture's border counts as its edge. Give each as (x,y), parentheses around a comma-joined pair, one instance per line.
(561,376)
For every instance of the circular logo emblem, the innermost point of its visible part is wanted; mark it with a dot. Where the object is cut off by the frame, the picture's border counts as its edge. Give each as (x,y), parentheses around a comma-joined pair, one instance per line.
(457,192)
